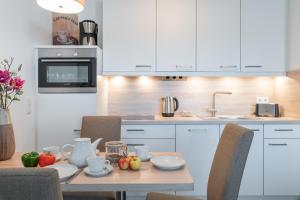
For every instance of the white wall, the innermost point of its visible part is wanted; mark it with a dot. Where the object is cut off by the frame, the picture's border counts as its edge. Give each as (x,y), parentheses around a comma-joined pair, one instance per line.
(294,35)
(24,25)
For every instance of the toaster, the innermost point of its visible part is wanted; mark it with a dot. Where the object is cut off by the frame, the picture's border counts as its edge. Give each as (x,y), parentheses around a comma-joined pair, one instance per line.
(267,110)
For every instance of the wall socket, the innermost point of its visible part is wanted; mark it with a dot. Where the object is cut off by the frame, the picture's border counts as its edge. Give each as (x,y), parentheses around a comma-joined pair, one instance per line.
(174,78)
(262,99)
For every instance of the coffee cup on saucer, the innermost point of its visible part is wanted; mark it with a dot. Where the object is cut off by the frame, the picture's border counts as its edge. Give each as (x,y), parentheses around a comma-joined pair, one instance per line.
(143,152)
(97,164)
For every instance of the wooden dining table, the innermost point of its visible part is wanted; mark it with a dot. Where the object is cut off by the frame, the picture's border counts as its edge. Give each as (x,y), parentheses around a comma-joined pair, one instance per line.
(147,179)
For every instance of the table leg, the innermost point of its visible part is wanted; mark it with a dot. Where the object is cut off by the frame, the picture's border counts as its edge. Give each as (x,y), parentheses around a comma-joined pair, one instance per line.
(121,195)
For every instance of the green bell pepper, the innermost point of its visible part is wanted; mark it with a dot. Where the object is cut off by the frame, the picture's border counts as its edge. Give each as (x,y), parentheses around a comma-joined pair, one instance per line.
(30,159)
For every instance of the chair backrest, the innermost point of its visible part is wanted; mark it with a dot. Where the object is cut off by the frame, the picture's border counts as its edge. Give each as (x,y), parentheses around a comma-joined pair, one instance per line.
(106,127)
(29,184)
(229,163)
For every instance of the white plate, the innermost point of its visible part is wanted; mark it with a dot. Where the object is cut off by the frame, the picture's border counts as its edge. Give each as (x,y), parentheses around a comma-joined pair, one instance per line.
(168,162)
(104,172)
(65,171)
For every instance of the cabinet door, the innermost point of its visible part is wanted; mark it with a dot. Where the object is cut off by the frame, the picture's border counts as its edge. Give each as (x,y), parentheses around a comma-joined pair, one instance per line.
(155,145)
(282,167)
(197,144)
(129,29)
(264,35)
(59,117)
(252,181)
(218,35)
(176,35)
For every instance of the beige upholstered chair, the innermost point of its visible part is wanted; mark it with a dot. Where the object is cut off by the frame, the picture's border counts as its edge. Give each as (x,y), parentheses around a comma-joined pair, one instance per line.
(227,167)
(94,127)
(29,184)
(106,127)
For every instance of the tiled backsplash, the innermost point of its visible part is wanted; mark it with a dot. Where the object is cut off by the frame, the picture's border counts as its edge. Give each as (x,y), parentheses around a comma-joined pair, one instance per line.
(141,95)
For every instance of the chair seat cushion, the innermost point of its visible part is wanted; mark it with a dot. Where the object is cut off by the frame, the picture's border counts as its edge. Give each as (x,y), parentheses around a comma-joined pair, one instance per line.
(89,196)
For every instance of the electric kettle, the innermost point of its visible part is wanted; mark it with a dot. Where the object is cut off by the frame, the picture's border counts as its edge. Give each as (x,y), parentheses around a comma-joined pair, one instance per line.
(169,106)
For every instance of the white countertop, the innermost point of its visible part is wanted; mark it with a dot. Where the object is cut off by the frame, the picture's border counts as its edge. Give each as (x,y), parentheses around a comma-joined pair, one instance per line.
(206,120)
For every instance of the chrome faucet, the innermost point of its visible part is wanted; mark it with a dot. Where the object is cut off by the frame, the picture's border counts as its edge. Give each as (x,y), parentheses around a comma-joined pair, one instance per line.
(213,108)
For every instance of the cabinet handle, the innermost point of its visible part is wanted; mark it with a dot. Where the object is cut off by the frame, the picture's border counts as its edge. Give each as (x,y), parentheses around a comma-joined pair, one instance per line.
(284,130)
(134,145)
(274,144)
(255,130)
(77,131)
(228,66)
(197,130)
(184,67)
(254,66)
(143,66)
(135,130)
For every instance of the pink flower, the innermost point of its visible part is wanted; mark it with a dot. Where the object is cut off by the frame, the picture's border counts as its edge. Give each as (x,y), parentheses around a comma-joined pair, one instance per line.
(16,83)
(4,76)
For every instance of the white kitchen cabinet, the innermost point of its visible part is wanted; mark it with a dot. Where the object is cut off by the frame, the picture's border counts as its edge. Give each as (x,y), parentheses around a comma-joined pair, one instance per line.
(218,35)
(282,167)
(282,131)
(160,138)
(198,144)
(176,35)
(59,117)
(129,35)
(263,35)
(155,145)
(252,181)
(148,131)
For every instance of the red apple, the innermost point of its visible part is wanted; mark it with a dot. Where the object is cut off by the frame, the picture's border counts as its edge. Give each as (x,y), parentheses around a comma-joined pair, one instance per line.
(123,163)
(135,163)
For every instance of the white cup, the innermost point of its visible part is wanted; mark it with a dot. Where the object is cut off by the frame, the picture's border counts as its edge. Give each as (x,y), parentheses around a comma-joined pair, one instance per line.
(97,163)
(142,152)
(52,150)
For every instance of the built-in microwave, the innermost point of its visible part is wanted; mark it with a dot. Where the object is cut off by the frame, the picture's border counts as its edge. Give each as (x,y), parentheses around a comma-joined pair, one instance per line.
(67,75)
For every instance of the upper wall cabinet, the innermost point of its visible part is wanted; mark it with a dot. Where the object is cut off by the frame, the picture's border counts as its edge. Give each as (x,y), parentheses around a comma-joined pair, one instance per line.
(218,35)
(263,35)
(129,35)
(176,35)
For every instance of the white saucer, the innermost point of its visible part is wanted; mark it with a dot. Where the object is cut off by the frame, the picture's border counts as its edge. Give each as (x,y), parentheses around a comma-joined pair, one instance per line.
(147,159)
(104,172)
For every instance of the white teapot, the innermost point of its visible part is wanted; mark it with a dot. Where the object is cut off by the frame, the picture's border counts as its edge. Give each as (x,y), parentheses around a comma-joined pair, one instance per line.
(82,149)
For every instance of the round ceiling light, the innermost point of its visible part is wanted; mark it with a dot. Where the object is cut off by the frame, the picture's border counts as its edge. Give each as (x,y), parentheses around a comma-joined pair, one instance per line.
(62,6)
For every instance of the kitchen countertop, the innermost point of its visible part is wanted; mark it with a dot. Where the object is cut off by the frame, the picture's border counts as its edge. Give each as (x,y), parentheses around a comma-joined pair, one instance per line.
(194,120)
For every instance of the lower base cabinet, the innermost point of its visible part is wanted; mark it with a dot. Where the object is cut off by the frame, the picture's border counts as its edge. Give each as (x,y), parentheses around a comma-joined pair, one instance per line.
(252,181)
(282,167)
(155,145)
(159,138)
(198,144)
